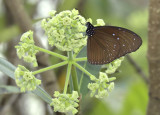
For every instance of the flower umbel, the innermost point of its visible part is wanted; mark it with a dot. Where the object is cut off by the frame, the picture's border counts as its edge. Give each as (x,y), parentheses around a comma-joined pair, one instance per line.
(101,86)
(66,103)
(65,30)
(26,48)
(25,79)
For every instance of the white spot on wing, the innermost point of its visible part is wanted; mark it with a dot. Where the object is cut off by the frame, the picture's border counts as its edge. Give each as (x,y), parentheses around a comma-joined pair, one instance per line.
(119,28)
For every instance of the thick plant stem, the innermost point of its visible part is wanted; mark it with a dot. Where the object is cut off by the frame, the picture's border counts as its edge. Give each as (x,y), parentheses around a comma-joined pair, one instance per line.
(51,53)
(74,79)
(73,73)
(70,58)
(82,76)
(70,55)
(154,58)
(50,67)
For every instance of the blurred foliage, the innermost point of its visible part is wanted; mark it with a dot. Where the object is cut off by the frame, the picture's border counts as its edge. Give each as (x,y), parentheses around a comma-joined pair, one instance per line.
(9,33)
(93,106)
(136,100)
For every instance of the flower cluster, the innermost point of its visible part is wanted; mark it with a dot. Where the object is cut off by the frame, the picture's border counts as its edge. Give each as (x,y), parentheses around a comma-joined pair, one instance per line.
(26,48)
(101,86)
(112,67)
(66,103)
(25,79)
(65,30)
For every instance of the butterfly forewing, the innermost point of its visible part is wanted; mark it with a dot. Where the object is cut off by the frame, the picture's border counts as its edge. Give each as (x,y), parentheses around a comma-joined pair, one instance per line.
(100,49)
(129,41)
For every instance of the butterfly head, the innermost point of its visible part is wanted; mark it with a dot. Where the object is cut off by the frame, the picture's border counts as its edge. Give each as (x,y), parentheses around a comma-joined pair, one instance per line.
(90,29)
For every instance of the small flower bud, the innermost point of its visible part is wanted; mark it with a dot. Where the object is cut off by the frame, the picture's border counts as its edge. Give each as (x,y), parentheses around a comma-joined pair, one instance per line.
(111,86)
(100,22)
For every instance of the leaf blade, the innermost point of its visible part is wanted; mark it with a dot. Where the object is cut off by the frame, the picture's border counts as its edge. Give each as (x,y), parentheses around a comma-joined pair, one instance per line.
(7,68)
(93,69)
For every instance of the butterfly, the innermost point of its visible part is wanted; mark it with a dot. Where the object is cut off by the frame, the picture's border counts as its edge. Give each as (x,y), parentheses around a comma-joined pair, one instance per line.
(107,43)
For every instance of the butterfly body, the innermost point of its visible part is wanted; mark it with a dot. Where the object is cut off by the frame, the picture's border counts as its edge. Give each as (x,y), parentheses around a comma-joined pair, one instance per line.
(107,43)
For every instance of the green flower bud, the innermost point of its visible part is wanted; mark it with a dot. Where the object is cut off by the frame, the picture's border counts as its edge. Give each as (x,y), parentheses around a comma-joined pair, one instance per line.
(111,86)
(75,12)
(56,93)
(100,22)
(52,13)
(112,79)
(89,20)
(28,76)
(102,94)
(103,77)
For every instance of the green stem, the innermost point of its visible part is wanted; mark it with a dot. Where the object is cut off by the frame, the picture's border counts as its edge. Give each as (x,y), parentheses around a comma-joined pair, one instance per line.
(70,55)
(73,73)
(50,67)
(67,77)
(51,53)
(81,59)
(82,76)
(82,69)
(74,79)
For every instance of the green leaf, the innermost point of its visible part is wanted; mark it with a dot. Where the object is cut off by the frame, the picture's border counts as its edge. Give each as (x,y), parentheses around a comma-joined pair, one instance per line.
(9,89)
(43,94)
(93,69)
(7,68)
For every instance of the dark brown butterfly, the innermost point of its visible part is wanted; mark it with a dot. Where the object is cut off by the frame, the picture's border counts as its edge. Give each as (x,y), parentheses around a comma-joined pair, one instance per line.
(107,43)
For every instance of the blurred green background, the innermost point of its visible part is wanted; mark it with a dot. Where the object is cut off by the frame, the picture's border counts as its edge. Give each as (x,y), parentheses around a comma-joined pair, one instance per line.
(130,96)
